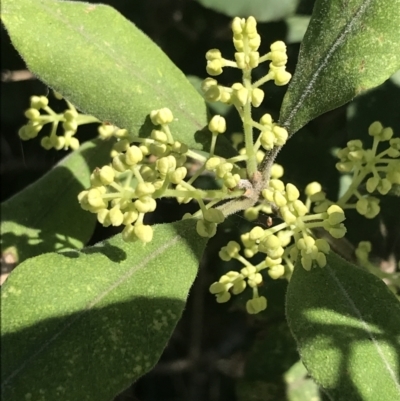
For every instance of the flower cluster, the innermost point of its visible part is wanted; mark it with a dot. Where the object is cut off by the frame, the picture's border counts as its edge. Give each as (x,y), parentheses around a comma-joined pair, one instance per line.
(382,170)
(246,94)
(70,120)
(293,239)
(145,169)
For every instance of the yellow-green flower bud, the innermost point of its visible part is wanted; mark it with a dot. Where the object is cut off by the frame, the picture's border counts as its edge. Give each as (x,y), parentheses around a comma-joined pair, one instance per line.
(178,175)
(292,193)
(254,43)
(130,216)
(240,59)
(288,216)
(322,245)
(133,155)
(242,95)
(251,213)
(38,102)
(375,128)
(144,188)
(103,217)
(208,83)
(276,171)
(256,305)
(161,116)
(306,262)
(143,233)
(321,259)
(45,142)
(217,124)
(336,215)
(282,77)
(212,163)
(95,198)
(214,67)
(223,169)
(338,232)
(105,131)
(214,216)
(159,136)
(278,46)
(266,119)
(276,271)
(70,126)
(257,96)
(58,142)
(300,208)
(206,228)
(267,139)
(32,113)
(238,25)
(254,58)
(256,233)
(231,181)
(281,135)
(224,297)
(116,217)
(238,287)
(384,186)
(73,143)
(279,199)
(213,54)
(217,287)
(70,115)
(313,188)
(145,204)
(254,280)
(106,175)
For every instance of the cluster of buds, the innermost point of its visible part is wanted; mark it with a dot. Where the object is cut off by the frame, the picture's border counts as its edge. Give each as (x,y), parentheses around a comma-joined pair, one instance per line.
(145,169)
(246,94)
(382,169)
(70,120)
(282,244)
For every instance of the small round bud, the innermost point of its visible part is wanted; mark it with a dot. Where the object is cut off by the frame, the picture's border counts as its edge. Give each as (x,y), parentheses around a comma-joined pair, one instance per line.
(292,193)
(313,188)
(32,113)
(133,155)
(159,136)
(257,96)
(214,216)
(143,233)
(276,171)
(276,271)
(144,188)
(256,305)
(145,204)
(205,228)
(161,116)
(336,215)
(106,175)
(213,54)
(217,124)
(375,128)
(214,67)
(116,217)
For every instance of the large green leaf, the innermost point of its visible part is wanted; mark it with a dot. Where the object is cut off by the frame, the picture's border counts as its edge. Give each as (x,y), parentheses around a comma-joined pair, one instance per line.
(349,46)
(262,10)
(46,216)
(84,325)
(102,63)
(346,324)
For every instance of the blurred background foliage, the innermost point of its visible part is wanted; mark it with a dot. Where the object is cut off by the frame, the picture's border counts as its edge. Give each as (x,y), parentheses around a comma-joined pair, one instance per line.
(218,352)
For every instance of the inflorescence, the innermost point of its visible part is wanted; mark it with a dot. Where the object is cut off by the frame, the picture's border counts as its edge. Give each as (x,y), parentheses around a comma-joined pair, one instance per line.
(143,170)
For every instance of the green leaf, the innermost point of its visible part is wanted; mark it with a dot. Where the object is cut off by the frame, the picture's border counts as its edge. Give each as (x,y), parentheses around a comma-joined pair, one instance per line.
(46,216)
(103,64)
(262,10)
(346,324)
(349,46)
(84,325)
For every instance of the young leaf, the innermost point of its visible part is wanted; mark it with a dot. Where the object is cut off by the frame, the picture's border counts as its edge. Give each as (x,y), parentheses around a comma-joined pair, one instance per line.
(346,324)
(349,46)
(46,216)
(85,325)
(103,64)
